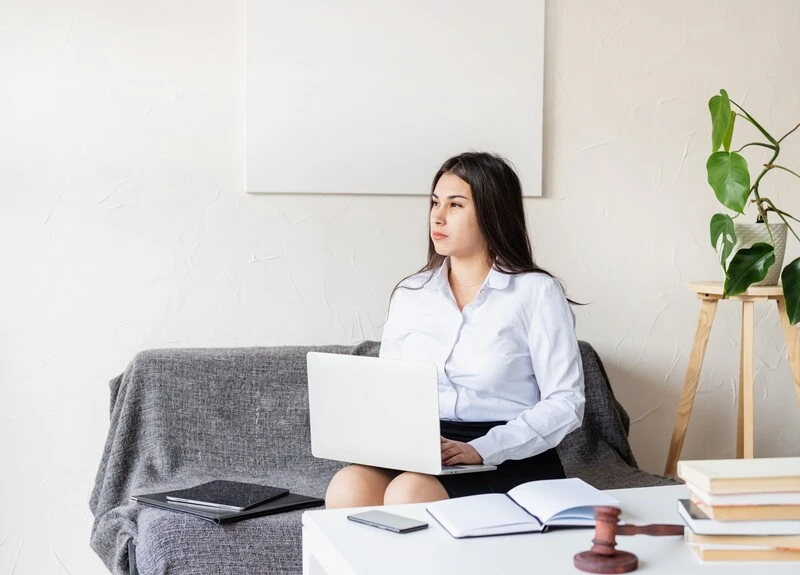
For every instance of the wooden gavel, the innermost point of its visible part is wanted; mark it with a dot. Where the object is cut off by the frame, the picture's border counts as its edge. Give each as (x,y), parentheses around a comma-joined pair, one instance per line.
(603,557)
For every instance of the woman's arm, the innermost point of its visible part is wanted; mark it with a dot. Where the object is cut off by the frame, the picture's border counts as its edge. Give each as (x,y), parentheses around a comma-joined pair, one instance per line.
(392,338)
(559,372)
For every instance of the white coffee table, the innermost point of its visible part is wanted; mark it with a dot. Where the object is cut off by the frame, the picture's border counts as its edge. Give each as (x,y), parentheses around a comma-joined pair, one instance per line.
(335,546)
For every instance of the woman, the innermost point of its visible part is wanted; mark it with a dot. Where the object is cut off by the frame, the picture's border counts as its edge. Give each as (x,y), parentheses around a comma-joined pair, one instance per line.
(501,333)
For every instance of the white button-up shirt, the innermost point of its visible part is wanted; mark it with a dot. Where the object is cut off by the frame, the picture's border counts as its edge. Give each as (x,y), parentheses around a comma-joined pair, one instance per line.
(510,355)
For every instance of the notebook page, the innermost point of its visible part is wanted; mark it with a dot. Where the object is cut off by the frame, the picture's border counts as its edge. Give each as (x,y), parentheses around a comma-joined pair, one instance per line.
(569,499)
(487,514)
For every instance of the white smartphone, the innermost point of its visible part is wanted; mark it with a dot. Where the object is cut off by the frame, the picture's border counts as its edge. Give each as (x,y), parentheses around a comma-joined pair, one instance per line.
(388,521)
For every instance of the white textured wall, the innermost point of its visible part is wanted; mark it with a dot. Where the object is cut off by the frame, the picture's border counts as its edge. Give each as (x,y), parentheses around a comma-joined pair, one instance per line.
(124,225)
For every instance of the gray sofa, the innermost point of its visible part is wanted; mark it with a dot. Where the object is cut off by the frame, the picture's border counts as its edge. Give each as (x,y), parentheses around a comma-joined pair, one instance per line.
(183,416)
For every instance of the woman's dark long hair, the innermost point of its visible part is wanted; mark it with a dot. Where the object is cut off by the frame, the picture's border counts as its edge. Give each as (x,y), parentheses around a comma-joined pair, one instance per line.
(497,194)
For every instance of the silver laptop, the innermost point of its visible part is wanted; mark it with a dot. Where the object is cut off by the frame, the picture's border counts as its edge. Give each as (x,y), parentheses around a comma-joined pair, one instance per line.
(379,412)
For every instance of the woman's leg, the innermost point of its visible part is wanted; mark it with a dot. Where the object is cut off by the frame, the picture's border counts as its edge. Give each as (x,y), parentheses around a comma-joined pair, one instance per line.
(410,487)
(358,486)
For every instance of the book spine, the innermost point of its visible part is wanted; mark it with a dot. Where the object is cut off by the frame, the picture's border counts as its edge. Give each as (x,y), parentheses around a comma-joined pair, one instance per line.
(785,541)
(777,554)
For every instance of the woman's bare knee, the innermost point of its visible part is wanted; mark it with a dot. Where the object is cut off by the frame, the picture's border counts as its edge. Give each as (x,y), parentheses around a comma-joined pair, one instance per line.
(358,486)
(412,487)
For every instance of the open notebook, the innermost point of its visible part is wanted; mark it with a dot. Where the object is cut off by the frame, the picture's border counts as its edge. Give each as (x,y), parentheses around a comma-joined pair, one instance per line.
(532,506)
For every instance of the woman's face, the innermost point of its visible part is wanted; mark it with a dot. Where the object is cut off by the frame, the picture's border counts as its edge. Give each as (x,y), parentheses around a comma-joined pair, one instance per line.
(454,222)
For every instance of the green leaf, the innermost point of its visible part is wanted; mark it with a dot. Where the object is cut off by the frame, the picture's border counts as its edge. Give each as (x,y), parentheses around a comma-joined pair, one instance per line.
(720,108)
(790,277)
(748,266)
(723,237)
(726,143)
(729,177)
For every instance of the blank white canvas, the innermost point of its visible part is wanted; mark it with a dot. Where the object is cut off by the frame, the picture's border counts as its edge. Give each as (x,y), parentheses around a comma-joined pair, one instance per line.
(370,97)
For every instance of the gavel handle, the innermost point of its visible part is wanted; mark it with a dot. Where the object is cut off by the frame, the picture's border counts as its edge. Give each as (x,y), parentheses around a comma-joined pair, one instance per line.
(652,529)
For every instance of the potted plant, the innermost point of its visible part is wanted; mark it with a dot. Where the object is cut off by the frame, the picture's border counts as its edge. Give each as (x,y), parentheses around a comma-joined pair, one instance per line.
(747,252)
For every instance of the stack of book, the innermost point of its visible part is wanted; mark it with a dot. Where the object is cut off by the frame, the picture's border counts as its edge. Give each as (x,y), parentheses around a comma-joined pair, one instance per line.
(742,509)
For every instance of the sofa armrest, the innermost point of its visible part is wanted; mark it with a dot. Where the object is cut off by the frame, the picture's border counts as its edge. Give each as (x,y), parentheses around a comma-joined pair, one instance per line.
(599,452)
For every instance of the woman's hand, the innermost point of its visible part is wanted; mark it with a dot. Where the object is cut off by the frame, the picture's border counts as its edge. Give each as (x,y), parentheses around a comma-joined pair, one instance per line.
(458,453)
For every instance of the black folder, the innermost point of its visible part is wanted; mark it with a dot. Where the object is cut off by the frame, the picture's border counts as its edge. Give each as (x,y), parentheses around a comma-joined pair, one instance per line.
(286,502)
(230,495)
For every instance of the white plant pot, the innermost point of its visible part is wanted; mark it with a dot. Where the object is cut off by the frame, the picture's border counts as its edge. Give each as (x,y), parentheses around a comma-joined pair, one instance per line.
(749,234)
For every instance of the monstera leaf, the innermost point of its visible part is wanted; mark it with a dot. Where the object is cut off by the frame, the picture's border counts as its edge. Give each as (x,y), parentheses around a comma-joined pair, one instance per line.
(723,237)
(721,120)
(726,143)
(730,179)
(790,277)
(748,266)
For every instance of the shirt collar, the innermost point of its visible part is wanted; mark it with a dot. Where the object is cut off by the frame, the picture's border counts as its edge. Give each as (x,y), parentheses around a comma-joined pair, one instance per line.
(495,280)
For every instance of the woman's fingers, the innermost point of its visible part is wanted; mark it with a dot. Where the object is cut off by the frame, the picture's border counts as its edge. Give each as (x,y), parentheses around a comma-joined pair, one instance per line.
(450,452)
(451,448)
(456,452)
(460,453)
(455,460)
(453,453)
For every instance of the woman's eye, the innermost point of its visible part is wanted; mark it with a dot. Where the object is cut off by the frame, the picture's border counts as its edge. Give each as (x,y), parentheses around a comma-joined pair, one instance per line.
(456,205)
(434,203)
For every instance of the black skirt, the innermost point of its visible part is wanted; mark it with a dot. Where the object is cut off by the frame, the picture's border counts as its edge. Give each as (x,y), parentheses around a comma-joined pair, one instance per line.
(508,474)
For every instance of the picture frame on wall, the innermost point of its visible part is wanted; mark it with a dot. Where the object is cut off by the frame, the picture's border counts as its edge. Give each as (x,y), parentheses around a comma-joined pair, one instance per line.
(372,97)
